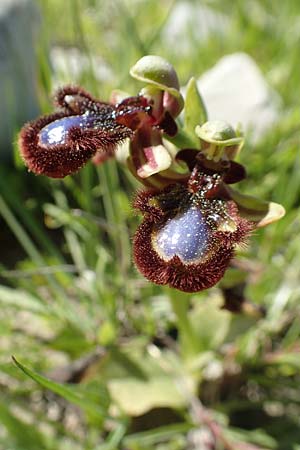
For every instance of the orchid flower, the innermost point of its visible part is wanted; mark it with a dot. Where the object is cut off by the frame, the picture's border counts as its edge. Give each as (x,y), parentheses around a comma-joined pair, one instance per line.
(192,218)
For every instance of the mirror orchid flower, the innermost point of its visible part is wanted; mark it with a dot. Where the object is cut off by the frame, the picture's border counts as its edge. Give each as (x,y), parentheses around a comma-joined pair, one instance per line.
(193,219)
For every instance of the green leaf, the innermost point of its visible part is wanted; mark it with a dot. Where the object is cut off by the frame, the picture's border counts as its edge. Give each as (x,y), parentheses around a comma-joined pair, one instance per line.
(21,299)
(195,111)
(107,333)
(291,359)
(257,437)
(157,435)
(114,438)
(71,340)
(158,389)
(66,218)
(157,392)
(23,435)
(69,392)
(233,277)
(129,364)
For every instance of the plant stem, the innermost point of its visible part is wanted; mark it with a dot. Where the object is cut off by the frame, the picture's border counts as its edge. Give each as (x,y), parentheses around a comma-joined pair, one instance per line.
(188,336)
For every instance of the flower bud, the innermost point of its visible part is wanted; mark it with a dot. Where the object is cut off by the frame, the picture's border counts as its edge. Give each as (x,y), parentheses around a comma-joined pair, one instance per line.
(218,140)
(158,73)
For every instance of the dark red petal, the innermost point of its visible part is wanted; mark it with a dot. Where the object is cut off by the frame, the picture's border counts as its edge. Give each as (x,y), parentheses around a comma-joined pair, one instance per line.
(232,171)
(134,112)
(168,124)
(188,155)
(235,174)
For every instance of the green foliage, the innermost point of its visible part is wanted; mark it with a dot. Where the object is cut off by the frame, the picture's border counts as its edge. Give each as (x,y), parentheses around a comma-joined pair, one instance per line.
(111,361)
(195,112)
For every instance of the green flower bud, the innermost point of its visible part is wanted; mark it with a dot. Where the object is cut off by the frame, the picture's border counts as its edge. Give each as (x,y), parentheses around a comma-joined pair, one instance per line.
(157,72)
(218,140)
(159,75)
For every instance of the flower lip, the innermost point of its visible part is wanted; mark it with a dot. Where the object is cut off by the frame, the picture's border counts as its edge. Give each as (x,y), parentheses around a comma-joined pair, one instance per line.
(186,235)
(60,144)
(187,239)
(56,132)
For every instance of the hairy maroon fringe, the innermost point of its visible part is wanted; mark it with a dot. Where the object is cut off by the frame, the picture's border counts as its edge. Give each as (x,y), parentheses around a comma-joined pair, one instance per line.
(244,228)
(188,277)
(142,200)
(59,96)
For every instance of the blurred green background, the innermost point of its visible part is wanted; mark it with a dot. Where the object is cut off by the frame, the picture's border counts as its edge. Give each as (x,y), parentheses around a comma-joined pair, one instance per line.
(111,361)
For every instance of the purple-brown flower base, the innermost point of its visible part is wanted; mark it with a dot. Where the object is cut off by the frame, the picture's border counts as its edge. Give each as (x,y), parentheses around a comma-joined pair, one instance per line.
(186,241)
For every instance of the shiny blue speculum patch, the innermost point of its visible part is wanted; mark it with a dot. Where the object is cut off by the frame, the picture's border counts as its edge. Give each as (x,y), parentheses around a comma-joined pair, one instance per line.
(56,132)
(186,235)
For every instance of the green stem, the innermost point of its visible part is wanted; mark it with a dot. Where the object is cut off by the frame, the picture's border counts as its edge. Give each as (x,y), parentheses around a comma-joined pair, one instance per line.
(180,305)
(87,186)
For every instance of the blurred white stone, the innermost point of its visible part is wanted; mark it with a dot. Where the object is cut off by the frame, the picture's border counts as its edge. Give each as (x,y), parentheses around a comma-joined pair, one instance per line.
(19,23)
(192,22)
(235,90)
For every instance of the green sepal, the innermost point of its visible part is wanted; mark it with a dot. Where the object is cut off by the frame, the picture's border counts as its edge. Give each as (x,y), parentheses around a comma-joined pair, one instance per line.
(195,112)
(259,211)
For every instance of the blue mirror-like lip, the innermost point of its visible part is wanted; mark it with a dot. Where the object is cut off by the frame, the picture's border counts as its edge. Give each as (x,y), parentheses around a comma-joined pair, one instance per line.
(186,235)
(56,132)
